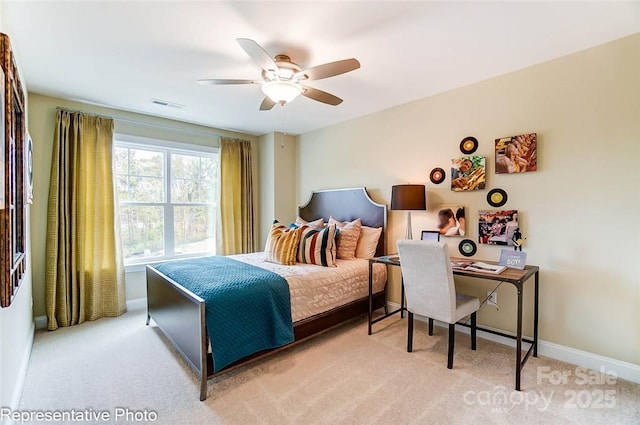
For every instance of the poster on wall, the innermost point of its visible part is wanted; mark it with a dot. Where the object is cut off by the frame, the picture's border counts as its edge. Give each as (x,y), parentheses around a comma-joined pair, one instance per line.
(28,169)
(497,227)
(2,139)
(448,219)
(468,173)
(517,154)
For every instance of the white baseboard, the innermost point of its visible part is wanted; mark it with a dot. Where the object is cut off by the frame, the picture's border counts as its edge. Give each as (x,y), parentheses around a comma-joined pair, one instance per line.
(22,374)
(624,370)
(41,322)
(138,303)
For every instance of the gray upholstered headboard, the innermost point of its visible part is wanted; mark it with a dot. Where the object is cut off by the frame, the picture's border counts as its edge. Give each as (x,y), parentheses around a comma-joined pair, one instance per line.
(347,205)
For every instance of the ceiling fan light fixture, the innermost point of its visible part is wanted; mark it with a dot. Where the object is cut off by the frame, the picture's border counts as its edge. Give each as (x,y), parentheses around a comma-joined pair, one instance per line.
(282,91)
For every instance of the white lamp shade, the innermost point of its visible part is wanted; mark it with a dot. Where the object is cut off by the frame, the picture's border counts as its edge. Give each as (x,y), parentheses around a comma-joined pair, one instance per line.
(281,91)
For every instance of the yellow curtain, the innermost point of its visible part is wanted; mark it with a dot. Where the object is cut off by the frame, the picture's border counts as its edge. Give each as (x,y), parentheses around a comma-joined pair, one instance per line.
(84,267)
(236,230)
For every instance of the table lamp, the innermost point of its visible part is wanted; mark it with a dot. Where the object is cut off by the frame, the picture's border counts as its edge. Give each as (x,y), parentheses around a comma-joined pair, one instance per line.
(408,197)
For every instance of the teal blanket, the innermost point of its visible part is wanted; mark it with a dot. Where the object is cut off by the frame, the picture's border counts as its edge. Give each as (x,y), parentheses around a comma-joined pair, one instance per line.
(248,309)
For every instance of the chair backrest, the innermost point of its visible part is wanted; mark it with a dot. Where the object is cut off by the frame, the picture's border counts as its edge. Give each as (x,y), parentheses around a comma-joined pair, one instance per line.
(428,279)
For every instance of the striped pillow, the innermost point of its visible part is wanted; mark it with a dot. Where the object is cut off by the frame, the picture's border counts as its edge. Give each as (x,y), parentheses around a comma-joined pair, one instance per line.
(282,244)
(347,240)
(317,246)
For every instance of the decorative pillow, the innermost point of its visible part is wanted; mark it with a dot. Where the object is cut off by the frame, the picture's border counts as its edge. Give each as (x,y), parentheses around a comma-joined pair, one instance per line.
(347,237)
(282,244)
(319,223)
(318,246)
(368,242)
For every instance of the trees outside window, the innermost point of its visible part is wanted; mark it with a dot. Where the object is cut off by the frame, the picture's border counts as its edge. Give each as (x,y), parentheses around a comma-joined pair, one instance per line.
(166,201)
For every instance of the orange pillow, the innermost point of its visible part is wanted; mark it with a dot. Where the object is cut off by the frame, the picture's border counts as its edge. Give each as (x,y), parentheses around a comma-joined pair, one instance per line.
(368,242)
(347,239)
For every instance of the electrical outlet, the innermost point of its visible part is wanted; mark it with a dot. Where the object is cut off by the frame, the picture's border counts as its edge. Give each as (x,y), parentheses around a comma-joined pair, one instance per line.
(492,298)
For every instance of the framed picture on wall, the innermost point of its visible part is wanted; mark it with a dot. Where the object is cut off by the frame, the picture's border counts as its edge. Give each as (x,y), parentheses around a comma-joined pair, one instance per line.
(3,147)
(468,173)
(28,169)
(517,154)
(447,219)
(497,227)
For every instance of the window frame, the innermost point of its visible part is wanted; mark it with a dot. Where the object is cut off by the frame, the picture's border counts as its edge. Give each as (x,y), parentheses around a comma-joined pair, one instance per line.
(167,148)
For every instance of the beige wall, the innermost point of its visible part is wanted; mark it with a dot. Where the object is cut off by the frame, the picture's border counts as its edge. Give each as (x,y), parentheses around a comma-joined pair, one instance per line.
(278,175)
(16,321)
(579,211)
(42,112)
(267,187)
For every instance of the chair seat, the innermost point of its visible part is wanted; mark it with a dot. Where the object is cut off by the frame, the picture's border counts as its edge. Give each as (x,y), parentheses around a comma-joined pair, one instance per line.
(465,305)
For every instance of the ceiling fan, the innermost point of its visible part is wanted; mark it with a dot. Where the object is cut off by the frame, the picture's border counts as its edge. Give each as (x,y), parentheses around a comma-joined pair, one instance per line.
(282,78)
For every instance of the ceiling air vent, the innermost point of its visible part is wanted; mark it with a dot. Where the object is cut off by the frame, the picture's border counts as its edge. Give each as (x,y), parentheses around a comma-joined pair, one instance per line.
(167,103)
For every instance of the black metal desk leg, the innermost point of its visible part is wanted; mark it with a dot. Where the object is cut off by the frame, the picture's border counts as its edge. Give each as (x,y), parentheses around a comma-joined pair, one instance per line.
(535,317)
(370,295)
(519,339)
(402,298)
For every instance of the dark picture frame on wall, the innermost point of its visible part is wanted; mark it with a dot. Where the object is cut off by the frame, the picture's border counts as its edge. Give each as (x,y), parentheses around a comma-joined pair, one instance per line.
(2,138)
(13,222)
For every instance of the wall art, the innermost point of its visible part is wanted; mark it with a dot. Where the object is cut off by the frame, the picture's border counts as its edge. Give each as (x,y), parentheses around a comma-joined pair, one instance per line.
(497,227)
(468,173)
(517,154)
(448,219)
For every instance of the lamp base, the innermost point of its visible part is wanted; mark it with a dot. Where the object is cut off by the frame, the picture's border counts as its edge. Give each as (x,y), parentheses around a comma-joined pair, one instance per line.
(408,234)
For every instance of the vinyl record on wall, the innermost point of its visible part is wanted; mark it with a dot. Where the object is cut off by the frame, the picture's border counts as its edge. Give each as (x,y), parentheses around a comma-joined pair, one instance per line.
(437,175)
(467,247)
(468,145)
(497,197)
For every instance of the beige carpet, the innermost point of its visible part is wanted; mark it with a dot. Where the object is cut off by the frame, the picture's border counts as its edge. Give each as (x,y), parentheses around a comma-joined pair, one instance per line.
(341,377)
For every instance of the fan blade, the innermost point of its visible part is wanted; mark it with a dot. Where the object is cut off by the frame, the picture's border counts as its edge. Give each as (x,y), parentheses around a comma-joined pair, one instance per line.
(321,96)
(267,104)
(330,69)
(221,82)
(258,54)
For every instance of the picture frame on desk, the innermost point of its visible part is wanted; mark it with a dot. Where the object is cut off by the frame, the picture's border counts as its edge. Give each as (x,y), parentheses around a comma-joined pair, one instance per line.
(513,259)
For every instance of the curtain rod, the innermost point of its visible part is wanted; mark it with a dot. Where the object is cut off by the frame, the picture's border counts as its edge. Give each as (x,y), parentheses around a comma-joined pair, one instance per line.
(164,127)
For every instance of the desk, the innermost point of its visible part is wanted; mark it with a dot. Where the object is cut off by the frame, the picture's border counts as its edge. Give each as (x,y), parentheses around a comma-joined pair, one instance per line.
(389,260)
(515,277)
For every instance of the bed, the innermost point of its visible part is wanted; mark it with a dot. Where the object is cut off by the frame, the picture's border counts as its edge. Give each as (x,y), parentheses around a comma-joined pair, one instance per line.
(342,295)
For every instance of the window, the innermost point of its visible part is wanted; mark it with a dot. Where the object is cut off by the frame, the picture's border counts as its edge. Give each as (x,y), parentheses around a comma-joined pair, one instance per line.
(166,197)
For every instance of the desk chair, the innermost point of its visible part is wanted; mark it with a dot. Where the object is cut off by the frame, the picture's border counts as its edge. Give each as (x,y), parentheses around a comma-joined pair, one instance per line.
(431,292)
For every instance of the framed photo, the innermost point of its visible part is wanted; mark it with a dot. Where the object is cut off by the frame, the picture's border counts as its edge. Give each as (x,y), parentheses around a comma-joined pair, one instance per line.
(468,173)
(28,169)
(497,227)
(3,146)
(447,220)
(517,154)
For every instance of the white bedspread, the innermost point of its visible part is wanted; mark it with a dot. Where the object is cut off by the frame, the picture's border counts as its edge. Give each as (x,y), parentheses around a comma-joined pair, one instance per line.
(316,289)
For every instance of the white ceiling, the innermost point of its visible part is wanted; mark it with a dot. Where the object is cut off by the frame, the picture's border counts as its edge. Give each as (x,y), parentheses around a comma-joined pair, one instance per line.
(123,54)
